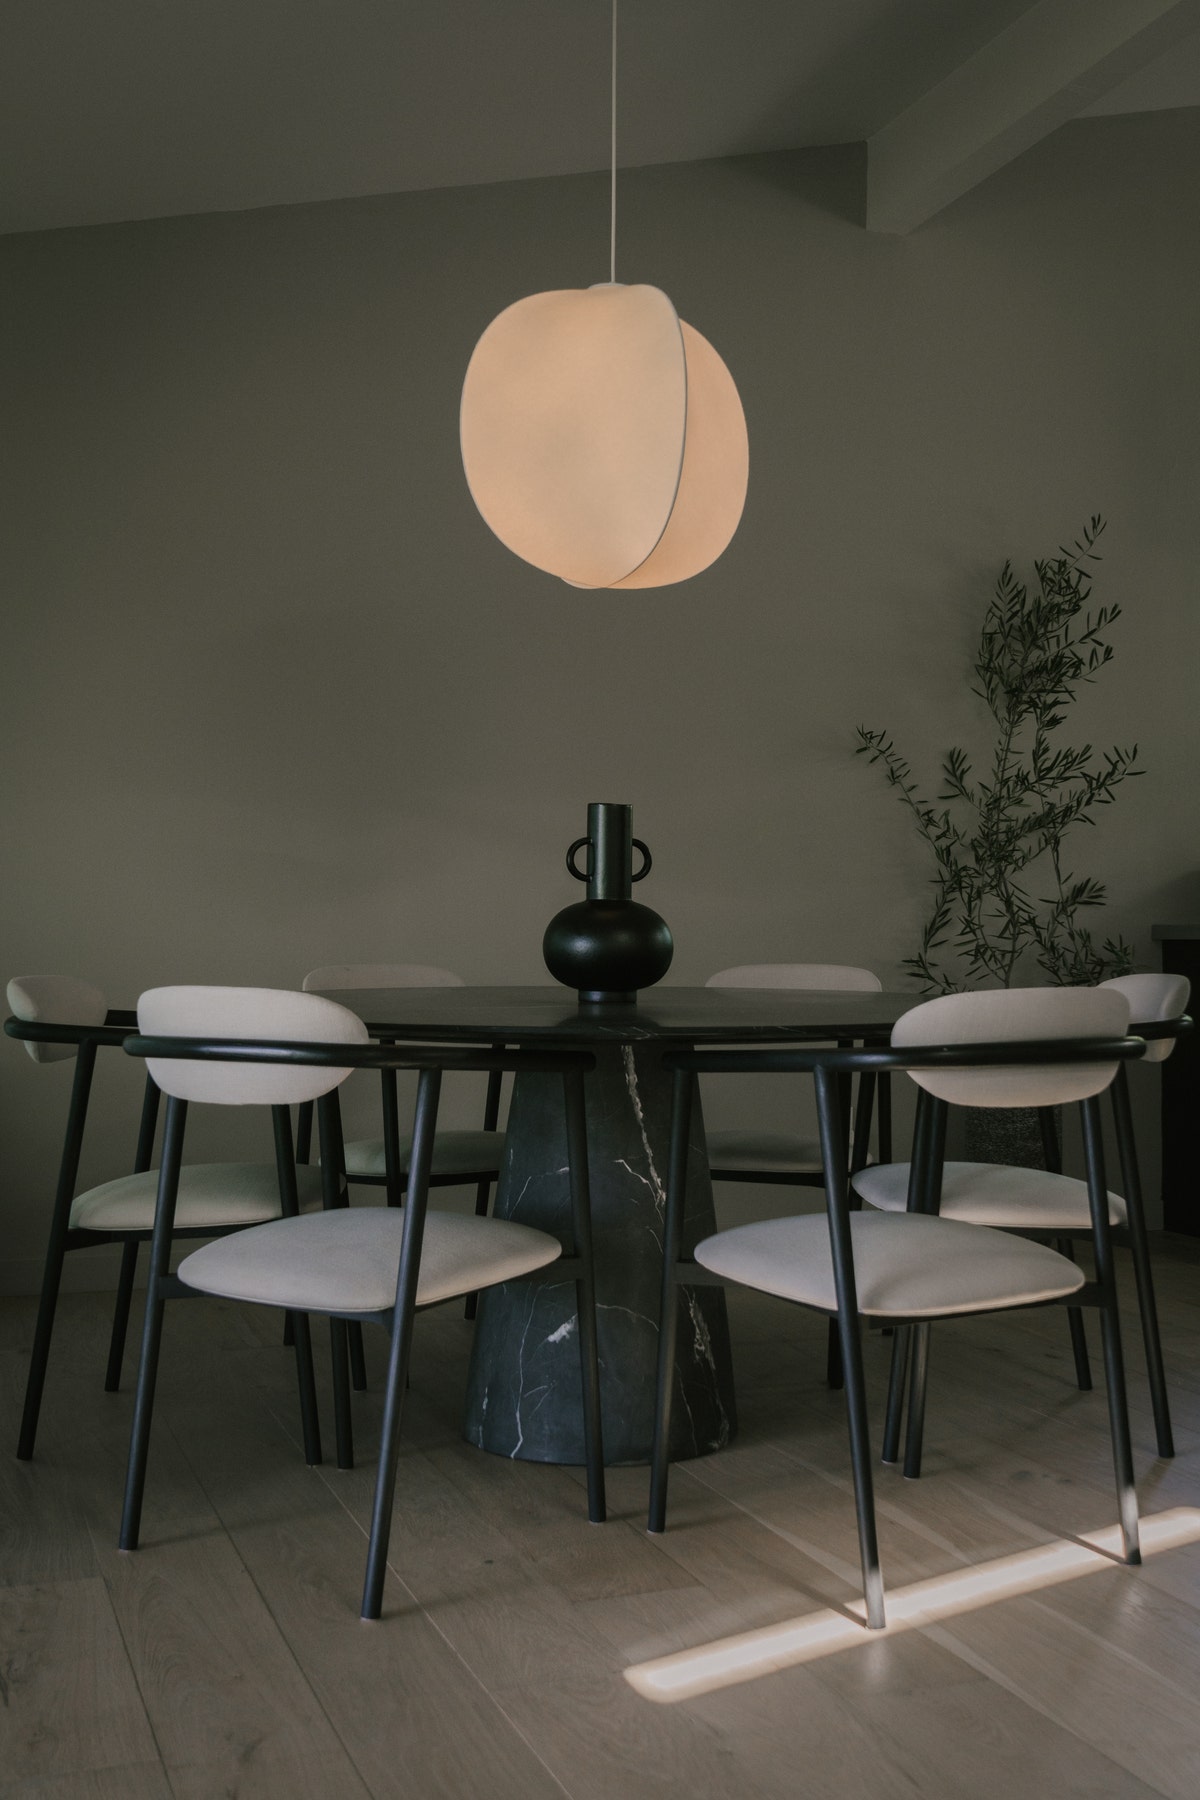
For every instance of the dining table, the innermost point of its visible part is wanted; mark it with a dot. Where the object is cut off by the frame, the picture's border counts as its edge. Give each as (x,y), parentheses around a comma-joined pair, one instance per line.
(523,1397)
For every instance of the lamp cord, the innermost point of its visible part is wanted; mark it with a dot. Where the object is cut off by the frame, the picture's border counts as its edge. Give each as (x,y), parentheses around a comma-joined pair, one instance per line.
(612,235)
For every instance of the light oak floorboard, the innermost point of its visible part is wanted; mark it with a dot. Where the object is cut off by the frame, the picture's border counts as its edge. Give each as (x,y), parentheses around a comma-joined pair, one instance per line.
(226,1656)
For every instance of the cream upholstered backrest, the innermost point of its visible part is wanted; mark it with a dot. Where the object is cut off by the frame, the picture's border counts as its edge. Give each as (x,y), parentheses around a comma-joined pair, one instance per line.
(340,976)
(1153,997)
(232,1012)
(1008,1015)
(55,1000)
(831,978)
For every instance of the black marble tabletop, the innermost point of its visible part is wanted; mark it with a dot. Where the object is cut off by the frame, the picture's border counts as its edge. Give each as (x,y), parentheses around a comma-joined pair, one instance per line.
(695,1015)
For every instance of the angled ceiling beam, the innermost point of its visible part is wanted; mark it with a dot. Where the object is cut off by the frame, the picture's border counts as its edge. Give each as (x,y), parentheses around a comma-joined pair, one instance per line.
(1048,65)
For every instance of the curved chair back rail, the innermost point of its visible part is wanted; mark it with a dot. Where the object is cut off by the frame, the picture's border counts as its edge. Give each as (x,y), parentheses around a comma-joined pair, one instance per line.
(369,1055)
(926,1058)
(1159,1000)
(841,978)
(340,976)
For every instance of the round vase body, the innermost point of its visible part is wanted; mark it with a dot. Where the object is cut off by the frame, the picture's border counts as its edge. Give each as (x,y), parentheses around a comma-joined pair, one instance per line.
(608,948)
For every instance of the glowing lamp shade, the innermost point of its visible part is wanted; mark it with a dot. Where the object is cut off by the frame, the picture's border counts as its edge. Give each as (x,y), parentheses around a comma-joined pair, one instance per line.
(603,439)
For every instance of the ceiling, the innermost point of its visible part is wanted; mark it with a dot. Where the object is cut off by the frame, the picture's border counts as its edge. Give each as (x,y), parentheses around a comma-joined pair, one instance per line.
(132,109)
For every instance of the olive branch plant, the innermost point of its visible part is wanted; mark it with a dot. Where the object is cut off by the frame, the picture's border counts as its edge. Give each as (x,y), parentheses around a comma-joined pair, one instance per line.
(1004,891)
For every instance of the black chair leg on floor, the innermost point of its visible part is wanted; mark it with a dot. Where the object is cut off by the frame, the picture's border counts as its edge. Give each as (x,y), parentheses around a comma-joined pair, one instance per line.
(56,1249)
(834,1374)
(483,1194)
(160,1259)
(340,1364)
(668,1313)
(1110,1332)
(833,1163)
(358,1361)
(310,1424)
(1079,1348)
(399,1349)
(918,1379)
(895,1400)
(1140,1247)
(120,1324)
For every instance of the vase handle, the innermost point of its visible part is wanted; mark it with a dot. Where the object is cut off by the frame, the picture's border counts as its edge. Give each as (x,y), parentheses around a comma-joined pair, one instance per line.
(646,866)
(580,874)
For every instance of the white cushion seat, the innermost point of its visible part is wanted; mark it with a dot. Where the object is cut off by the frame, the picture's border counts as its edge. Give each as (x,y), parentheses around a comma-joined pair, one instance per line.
(905,1266)
(466,1153)
(216,1194)
(346,1261)
(997,1194)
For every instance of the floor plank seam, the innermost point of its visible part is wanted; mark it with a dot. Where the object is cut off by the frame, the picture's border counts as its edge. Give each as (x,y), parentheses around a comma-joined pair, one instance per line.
(425,1613)
(133,1673)
(943,1636)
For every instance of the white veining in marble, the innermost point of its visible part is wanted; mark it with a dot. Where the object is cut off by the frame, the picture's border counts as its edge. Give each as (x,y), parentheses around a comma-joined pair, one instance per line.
(631,1082)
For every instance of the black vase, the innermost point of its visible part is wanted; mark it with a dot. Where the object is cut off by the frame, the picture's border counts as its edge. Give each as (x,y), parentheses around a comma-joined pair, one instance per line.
(608,946)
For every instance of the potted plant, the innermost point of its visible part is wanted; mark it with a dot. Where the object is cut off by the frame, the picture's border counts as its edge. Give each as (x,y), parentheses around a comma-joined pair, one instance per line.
(1008,906)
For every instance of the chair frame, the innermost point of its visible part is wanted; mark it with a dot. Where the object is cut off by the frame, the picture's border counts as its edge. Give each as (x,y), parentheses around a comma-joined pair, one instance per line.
(1131,1236)
(64,1237)
(430,1063)
(826,1067)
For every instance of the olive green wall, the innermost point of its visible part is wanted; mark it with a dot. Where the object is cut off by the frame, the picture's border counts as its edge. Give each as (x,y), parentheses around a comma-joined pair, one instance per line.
(274,695)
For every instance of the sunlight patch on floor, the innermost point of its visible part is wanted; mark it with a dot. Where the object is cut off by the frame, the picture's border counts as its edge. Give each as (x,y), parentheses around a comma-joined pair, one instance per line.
(750,1654)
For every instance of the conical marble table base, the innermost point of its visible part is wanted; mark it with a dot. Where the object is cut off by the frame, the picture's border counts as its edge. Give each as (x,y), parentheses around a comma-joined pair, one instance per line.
(524,1394)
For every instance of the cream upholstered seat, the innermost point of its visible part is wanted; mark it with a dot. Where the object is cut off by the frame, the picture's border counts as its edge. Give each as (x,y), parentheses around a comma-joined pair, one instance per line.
(356,1265)
(903,1268)
(348,1261)
(778,1156)
(996,1194)
(214,1197)
(1011,1198)
(1008,1048)
(458,1156)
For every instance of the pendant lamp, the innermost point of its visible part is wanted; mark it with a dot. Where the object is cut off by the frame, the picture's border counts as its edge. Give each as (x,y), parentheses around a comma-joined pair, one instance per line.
(602,437)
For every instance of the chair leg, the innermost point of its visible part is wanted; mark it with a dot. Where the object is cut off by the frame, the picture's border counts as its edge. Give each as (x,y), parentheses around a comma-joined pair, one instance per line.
(895,1399)
(834,1375)
(483,1194)
(833,1163)
(56,1249)
(917,1383)
(1079,1347)
(343,1423)
(1140,1248)
(289,1331)
(160,1257)
(668,1312)
(585,1292)
(310,1424)
(1110,1331)
(120,1324)
(358,1362)
(424,1124)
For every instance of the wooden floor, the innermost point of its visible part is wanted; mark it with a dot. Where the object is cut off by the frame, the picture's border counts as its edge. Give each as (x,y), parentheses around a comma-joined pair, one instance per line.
(226,1656)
